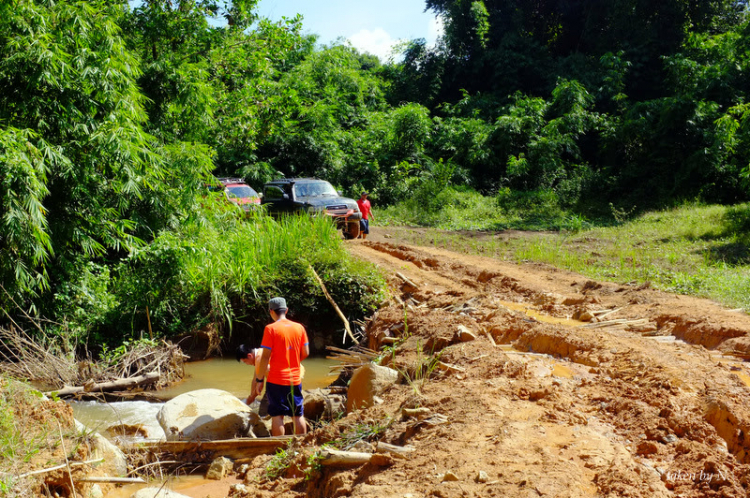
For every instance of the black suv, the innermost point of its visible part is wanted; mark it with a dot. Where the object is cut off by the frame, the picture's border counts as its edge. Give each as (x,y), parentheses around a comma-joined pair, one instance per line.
(312,196)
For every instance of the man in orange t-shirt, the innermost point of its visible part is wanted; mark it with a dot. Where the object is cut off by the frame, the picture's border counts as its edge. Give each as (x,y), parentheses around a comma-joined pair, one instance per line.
(284,346)
(366,209)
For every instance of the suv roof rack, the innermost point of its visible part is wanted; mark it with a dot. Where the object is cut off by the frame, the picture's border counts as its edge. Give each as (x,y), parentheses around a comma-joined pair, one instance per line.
(294,180)
(227,179)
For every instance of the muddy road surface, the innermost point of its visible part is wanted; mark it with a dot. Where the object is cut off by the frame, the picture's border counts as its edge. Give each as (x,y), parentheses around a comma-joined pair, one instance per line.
(541,382)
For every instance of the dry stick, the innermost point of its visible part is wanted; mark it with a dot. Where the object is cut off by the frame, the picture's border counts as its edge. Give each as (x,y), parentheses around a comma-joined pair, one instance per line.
(115,480)
(333,303)
(67,463)
(58,467)
(152,464)
(602,315)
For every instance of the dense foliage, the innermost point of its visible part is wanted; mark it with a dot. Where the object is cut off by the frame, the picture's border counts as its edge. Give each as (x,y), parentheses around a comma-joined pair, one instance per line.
(114,117)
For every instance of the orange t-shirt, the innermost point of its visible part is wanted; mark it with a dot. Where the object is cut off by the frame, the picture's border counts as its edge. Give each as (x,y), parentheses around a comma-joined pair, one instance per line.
(285,339)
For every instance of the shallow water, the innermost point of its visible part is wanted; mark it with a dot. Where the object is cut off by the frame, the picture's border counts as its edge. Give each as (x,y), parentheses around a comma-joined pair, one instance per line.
(225,374)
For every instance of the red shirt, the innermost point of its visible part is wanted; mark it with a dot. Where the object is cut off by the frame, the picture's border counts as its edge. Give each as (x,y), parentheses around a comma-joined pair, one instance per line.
(286,340)
(365,208)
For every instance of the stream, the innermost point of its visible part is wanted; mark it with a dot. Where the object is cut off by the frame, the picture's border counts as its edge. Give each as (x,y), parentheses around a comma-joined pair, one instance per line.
(218,373)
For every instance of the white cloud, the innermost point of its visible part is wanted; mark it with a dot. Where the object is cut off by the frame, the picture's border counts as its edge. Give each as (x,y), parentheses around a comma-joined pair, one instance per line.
(377,42)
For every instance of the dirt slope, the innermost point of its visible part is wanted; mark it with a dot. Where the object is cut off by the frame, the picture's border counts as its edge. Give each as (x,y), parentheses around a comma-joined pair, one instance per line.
(546,405)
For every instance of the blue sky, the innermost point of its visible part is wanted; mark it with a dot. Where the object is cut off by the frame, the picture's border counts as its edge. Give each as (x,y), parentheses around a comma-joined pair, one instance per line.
(370,26)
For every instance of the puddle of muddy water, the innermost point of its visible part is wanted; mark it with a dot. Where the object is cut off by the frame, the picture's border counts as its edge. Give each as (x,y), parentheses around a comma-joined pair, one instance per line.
(193,486)
(540,317)
(741,371)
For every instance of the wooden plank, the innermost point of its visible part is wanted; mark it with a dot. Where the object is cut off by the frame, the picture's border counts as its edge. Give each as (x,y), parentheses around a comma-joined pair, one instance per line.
(232,448)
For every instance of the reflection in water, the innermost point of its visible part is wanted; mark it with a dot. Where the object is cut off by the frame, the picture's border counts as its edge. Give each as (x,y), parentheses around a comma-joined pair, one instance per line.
(227,375)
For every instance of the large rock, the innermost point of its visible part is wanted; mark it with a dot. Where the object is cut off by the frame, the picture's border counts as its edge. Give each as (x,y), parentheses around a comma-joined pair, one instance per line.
(322,405)
(156,493)
(206,414)
(367,382)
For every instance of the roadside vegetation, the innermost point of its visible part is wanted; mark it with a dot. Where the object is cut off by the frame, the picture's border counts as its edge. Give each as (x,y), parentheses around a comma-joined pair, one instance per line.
(694,249)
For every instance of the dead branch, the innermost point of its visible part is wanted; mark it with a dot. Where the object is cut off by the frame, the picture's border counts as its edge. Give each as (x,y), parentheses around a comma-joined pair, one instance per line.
(335,306)
(114,385)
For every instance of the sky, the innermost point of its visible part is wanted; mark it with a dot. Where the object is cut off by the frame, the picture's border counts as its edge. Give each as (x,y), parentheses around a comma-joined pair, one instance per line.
(371,26)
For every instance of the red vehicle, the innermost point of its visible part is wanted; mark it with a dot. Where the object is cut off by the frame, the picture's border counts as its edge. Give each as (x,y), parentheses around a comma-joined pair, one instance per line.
(240,193)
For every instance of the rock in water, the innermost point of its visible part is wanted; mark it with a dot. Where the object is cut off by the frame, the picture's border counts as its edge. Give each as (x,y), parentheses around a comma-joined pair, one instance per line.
(367,382)
(206,414)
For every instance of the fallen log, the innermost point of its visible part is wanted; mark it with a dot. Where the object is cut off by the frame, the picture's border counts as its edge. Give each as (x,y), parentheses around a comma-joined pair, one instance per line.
(338,458)
(115,385)
(402,452)
(231,448)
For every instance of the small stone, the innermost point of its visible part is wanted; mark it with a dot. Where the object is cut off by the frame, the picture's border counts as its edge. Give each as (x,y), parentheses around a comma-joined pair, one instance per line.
(238,490)
(586,316)
(96,492)
(647,448)
(219,468)
(671,438)
(243,469)
(449,476)
(465,335)
(613,350)
(482,476)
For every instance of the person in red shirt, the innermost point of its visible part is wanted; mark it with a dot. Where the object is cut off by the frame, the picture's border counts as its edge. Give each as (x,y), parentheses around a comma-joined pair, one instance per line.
(366,210)
(284,346)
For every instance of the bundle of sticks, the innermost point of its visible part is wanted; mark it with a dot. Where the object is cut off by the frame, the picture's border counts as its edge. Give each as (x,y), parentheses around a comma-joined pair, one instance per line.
(350,358)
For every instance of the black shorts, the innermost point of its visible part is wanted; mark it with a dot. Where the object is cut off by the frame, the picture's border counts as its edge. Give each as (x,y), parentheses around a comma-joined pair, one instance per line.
(364,226)
(284,400)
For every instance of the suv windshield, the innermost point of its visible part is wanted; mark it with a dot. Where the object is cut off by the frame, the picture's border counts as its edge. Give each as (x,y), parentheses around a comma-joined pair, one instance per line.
(241,191)
(314,189)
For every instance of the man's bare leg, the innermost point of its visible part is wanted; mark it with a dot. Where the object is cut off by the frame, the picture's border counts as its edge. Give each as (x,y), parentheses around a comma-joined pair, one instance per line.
(300,426)
(277,425)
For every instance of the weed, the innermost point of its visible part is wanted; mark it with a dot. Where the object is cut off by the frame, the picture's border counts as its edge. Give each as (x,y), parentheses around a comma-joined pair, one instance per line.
(423,369)
(280,462)
(362,432)
(314,465)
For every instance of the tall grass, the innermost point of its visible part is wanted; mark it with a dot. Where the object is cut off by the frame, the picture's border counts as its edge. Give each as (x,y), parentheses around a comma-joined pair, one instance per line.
(223,267)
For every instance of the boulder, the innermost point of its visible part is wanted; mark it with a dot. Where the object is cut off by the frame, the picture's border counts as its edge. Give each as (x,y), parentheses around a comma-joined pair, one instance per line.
(206,414)
(154,492)
(367,382)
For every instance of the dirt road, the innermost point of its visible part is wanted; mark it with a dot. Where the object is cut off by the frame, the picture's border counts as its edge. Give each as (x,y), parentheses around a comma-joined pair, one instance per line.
(571,387)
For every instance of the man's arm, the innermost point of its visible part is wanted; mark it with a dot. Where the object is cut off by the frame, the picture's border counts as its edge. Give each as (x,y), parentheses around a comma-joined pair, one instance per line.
(262,368)
(305,352)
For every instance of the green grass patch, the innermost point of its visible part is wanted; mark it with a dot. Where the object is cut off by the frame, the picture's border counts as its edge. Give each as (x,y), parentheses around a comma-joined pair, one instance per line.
(460,208)
(693,249)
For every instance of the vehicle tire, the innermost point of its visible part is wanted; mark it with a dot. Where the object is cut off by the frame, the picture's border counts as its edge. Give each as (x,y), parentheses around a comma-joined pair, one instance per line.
(352,230)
